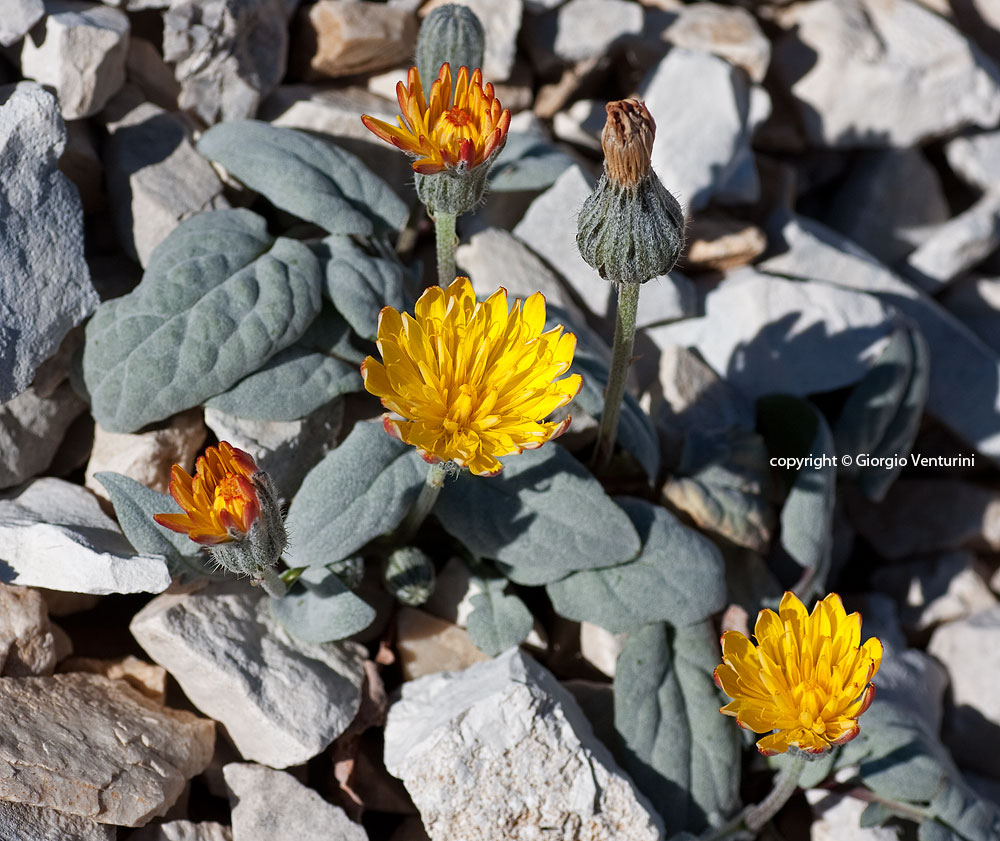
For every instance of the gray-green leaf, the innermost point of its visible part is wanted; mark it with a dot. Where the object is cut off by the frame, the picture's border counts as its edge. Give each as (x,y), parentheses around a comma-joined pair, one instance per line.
(682,754)
(305,175)
(219,298)
(322,612)
(498,621)
(678,577)
(544,516)
(360,490)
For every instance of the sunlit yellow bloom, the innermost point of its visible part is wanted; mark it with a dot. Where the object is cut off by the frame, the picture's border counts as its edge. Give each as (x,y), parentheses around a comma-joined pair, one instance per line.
(807,678)
(451,132)
(220,501)
(468,382)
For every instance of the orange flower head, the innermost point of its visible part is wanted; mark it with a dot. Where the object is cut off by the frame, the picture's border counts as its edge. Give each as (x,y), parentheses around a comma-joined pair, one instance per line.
(220,502)
(806,681)
(462,131)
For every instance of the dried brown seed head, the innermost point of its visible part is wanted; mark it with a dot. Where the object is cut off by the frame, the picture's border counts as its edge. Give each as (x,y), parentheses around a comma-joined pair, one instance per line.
(627,141)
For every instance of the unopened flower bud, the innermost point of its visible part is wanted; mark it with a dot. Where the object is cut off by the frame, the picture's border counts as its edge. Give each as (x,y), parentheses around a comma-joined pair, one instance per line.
(451,34)
(631,229)
(409,575)
(351,571)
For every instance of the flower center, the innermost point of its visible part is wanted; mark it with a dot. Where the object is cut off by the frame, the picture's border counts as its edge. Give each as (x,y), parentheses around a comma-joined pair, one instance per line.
(456,125)
(229,496)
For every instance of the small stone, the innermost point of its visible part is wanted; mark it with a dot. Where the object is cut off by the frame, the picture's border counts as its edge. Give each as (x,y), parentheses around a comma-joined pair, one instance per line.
(729,32)
(581,123)
(719,242)
(282,701)
(587,28)
(32,428)
(183,831)
(427,645)
(287,450)
(935,590)
(27,643)
(156,178)
(146,678)
(929,515)
(79,51)
(18,19)
(20,822)
(227,54)
(329,110)
(503,744)
(969,649)
(62,603)
(501,23)
(265,800)
(601,648)
(90,746)
(42,239)
(146,456)
(869,73)
(54,534)
(837,816)
(336,39)
(151,74)
(975,301)
(956,246)
(976,158)
(889,203)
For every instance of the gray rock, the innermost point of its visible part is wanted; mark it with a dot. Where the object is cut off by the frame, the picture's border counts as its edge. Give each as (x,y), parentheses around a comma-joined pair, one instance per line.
(717,241)
(975,301)
(330,110)
(587,28)
(705,112)
(156,178)
(32,427)
(869,73)
(956,246)
(287,450)
(148,71)
(935,590)
(228,54)
(18,18)
(501,23)
(27,643)
(87,745)
(729,32)
(53,534)
(183,831)
(503,750)
(20,822)
(581,123)
(282,701)
(836,818)
(47,288)
(963,390)
(769,335)
(969,650)
(264,800)
(976,158)
(79,51)
(889,203)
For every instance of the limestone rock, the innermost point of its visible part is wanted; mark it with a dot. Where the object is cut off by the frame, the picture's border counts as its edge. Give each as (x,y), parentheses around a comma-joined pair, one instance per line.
(90,746)
(80,52)
(156,178)
(503,745)
(874,73)
(501,23)
(281,701)
(20,822)
(601,648)
(54,534)
(27,643)
(428,645)
(264,799)
(145,678)
(147,456)
(227,54)
(976,158)
(720,242)
(837,818)
(151,74)
(336,39)
(183,831)
(969,651)
(975,301)
(330,110)
(47,290)
(729,32)
(18,18)
(582,29)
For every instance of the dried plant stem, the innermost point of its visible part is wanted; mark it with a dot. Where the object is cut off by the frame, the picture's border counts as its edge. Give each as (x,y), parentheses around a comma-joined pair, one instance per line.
(621,357)
(447,242)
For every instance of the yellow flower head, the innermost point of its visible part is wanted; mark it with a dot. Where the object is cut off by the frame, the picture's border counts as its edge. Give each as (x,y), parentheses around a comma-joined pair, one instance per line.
(469,381)
(220,501)
(452,132)
(807,678)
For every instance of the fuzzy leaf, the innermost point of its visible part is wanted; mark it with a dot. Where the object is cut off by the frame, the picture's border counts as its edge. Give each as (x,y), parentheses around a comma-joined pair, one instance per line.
(544,517)
(322,612)
(678,577)
(219,298)
(681,753)
(360,285)
(359,491)
(498,621)
(305,175)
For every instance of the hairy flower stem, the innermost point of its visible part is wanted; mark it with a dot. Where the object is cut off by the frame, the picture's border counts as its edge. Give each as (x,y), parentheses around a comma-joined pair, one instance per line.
(621,356)
(784,787)
(447,242)
(272,583)
(425,502)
